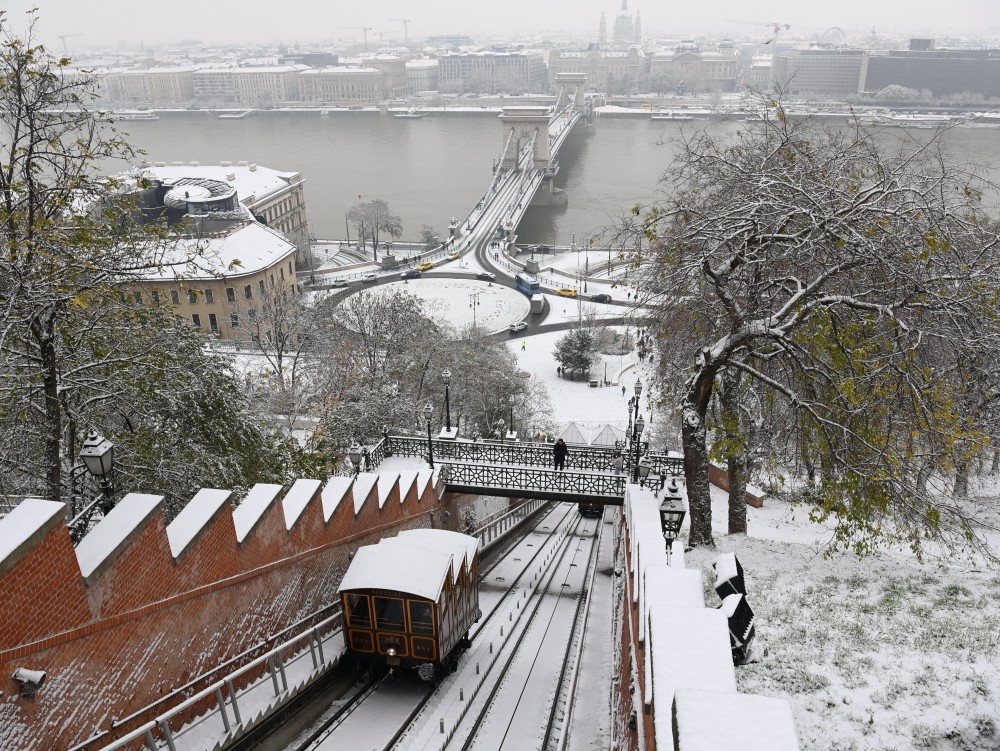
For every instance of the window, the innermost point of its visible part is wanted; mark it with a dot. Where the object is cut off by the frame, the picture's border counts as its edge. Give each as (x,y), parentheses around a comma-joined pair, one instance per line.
(230,294)
(389,614)
(289,267)
(282,272)
(358,612)
(263,289)
(272,281)
(421,617)
(196,319)
(209,296)
(252,315)
(156,297)
(175,298)
(192,296)
(234,320)
(138,297)
(213,323)
(248,292)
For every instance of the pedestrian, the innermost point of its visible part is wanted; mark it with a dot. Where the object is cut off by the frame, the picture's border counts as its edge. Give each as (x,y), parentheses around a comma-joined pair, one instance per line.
(559,453)
(618,462)
(496,256)
(623,391)
(523,346)
(559,371)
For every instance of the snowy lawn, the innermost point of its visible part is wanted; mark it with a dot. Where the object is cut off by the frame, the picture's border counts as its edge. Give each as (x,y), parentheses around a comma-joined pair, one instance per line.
(875,654)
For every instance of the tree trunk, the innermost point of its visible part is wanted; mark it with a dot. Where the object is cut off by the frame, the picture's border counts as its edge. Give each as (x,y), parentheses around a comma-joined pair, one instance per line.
(729,399)
(696,476)
(44,333)
(995,467)
(962,478)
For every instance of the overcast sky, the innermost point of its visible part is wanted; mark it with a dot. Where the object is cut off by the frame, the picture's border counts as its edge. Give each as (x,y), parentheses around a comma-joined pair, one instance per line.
(108,22)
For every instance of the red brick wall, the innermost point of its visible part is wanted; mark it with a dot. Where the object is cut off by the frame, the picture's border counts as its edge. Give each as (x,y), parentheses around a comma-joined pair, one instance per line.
(720,478)
(148,623)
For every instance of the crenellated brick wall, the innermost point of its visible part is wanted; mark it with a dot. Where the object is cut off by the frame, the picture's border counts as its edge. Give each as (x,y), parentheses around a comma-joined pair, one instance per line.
(148,618)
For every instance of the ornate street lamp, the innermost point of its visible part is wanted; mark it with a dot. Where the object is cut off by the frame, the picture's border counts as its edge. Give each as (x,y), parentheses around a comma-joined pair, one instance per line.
(644,467)
(636,436)
(672,513)
(98,454)
(500,424)
(355,453)
(428,411)
(446,376)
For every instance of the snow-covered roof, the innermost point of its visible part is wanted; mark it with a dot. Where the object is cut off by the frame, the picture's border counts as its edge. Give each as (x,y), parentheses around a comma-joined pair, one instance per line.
(246,249)
(416,569)
(253,183)
(462,547)
(607,436)
(710,720)
(573,433)
(337,71)
(421,63)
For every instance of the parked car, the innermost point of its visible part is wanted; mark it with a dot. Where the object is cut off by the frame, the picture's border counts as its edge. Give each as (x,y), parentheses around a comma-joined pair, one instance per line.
(410,274)
(369,277)
(340,283)
(426,266)
(600,298)
(486,276)
(519,326)
(566,292)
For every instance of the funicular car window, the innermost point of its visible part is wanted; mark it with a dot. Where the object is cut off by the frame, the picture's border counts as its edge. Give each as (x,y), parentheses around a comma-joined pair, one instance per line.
(358,613)
(421,617)
(389,613)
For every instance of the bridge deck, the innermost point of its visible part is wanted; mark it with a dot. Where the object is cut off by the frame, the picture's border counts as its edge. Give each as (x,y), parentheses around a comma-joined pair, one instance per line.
(532,481)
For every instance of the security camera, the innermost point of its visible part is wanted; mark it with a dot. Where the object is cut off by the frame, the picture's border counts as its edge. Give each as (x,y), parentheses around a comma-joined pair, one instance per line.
(30,680)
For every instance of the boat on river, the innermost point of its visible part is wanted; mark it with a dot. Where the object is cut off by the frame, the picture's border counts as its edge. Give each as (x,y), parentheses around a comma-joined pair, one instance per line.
(412,114)
(671,115)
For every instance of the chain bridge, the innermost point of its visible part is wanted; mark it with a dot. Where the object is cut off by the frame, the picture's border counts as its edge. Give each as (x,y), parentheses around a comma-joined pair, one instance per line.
(523,172)
(525,469)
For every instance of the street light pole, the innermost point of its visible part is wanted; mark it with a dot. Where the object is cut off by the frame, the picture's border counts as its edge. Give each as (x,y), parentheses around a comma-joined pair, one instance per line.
(428,411)
(637,427)
(446,375)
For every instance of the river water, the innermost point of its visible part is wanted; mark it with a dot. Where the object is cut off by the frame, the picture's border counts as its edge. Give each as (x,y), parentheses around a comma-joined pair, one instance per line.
(436,167)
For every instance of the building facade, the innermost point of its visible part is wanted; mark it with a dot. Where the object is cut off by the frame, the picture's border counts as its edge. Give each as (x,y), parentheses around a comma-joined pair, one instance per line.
(422,75)
(170,85)
(492,72)
(693,69)
(610,70)
(824,72)
(942,72)
(342,85)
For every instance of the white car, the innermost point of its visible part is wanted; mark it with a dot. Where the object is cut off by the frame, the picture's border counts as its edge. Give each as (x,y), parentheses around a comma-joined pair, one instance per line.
(369,277)
(519,326)
(339,283)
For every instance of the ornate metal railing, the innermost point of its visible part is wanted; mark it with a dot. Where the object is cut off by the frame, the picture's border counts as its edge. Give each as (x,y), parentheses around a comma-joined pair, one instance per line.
(496,452)
(546,484)
(533,454)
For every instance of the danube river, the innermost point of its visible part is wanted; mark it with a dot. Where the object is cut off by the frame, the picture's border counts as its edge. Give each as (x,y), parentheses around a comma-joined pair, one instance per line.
(436,167)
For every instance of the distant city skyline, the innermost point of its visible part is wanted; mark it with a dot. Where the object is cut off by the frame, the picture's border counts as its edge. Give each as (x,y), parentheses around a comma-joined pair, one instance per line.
(104,23)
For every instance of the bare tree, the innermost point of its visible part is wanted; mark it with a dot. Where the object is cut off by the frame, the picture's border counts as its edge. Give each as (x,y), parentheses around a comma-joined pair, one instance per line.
(829,268)
(373,219)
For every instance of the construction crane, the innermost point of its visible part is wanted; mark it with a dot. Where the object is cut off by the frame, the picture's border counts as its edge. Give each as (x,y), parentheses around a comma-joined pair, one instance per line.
(775,26)
(364,29)
(406,28)
(64,37)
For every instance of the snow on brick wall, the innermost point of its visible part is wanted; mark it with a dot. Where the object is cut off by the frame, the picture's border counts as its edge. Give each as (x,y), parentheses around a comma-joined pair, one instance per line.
(146,622)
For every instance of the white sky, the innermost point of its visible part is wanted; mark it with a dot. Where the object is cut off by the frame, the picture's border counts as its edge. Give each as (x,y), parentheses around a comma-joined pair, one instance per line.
(106,22)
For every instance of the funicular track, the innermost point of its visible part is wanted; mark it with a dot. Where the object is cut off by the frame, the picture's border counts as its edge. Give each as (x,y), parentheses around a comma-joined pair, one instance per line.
(381,713)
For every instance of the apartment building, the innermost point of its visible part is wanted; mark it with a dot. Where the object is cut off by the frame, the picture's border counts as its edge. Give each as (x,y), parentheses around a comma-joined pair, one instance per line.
(492,72)
(422,75)
(170,85)
(342,85)
(829,72)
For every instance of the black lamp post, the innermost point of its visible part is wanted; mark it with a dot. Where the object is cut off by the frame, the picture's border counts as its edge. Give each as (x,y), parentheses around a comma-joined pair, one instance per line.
(672,513)
(500,429)
(636,428)
(98,454)
(428,411)
(636,436)
(446,375)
